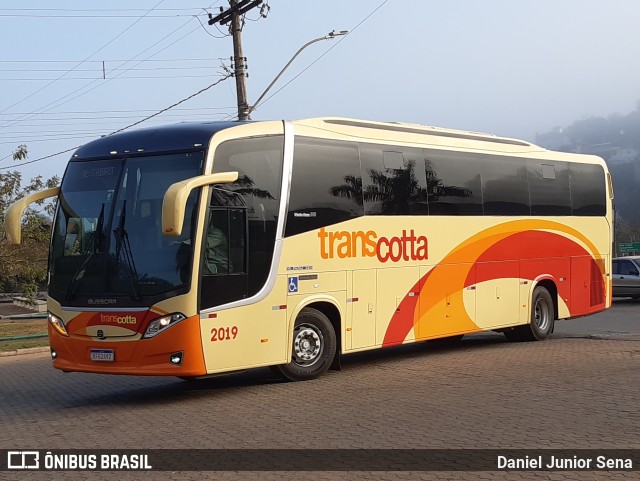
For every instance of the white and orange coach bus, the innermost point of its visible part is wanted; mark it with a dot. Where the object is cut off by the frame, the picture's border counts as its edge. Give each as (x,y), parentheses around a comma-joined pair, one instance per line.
(202,248)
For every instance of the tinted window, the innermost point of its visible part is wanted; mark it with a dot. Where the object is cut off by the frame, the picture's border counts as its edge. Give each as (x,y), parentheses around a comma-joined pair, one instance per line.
(224,250)
(248,205)
(326,186)
(107,239)
(628,268)
(549,187)
(394,181)
(504,186)
(454,185)
(588,192)
(616,267)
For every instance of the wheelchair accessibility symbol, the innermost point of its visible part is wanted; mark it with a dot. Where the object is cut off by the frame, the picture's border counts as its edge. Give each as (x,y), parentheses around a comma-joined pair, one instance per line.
(293,284)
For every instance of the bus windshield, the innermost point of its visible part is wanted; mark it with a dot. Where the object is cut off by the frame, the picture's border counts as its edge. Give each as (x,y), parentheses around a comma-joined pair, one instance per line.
(107,245)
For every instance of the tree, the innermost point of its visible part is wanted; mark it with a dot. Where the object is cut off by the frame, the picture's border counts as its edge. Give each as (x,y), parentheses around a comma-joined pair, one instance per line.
(24,267)
(20,153)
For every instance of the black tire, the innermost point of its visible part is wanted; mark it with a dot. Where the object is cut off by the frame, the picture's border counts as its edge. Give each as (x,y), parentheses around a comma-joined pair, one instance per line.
(314,346)
(541,322)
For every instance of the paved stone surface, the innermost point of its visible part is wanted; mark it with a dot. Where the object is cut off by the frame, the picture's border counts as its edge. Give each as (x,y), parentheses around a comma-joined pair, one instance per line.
(567,392)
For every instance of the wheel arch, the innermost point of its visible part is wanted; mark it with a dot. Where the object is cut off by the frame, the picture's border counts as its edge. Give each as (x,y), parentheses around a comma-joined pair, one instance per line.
(329,307)
(549,284)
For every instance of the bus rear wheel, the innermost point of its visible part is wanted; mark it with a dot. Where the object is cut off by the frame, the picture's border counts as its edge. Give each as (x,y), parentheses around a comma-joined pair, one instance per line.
(542,319)
(314,346)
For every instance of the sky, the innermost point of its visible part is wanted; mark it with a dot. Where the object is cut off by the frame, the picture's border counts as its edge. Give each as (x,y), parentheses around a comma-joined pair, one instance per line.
(510,68)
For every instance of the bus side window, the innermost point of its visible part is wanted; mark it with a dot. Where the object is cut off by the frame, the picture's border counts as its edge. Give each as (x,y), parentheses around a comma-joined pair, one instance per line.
(224,248)
(588,191)
(504,186)
(549,187)
(326,187)
(453,183)
(393,180)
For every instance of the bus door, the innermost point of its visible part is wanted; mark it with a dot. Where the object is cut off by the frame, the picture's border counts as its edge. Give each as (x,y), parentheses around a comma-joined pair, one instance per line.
(223,263)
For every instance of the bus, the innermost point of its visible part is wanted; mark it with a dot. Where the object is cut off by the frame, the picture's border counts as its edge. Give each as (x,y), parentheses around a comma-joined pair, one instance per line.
(197,249)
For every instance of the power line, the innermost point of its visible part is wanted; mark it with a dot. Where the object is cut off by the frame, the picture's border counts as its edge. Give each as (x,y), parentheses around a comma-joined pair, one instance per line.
(49,16)
(87,88)
(65,99)
(96,9)
(40,133)
(38,140)
(107,70)
(86,13)
(148,77)
(41,158)
(111,60)
(101,119)
(174,105)
(209,33)
(116,111)
(326,52)
(71,70)
(124,128)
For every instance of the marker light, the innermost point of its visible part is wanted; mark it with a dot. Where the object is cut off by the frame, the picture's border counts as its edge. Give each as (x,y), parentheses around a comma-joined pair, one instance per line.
(58,324)
(158,325)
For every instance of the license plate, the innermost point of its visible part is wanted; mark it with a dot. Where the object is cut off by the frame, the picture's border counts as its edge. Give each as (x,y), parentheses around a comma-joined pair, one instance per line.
(102,355)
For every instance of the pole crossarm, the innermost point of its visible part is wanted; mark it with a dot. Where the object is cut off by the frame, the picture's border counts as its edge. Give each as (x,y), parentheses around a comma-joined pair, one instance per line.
(239,8)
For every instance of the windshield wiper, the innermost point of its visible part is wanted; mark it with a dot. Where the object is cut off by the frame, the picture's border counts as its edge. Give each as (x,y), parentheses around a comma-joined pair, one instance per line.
(124,247)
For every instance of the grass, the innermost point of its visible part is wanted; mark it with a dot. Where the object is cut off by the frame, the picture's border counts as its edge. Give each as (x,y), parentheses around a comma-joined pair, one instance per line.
(23,328)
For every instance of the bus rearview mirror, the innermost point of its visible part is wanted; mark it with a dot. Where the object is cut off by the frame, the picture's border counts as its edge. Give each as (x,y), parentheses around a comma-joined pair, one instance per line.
(13,217)
(175,199)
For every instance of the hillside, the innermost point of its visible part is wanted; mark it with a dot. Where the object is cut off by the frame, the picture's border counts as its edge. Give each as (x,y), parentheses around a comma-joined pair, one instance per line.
(617,140)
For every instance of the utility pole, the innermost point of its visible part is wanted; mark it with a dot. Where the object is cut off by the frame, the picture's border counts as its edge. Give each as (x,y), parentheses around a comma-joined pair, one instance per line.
(237,8)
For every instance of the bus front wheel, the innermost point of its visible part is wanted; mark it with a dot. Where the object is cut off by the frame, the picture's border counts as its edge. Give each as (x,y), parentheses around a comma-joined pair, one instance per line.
(542,319)
(314,346)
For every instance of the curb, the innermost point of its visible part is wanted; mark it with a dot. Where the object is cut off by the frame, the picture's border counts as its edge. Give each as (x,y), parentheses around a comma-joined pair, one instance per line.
(21,352)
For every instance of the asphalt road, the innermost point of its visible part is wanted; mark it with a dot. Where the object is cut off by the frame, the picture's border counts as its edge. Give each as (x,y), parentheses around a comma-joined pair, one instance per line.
(579,389)
(621,320)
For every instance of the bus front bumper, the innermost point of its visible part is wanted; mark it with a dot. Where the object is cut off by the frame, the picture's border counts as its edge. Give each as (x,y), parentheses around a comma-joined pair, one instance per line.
(176,351)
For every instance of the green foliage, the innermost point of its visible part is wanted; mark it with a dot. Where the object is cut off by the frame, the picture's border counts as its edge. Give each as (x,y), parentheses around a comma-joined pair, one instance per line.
(23,268)
(21,152)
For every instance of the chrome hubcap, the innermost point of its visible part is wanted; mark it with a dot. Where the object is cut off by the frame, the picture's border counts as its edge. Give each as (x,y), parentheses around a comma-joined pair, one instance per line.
(541,315)
(307,345)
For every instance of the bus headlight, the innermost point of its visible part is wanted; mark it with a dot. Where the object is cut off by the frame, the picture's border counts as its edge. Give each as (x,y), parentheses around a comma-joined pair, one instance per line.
(158,325)
(58,324)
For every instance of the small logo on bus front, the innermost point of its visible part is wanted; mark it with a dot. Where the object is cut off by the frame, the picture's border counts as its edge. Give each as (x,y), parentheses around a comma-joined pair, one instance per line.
(101,302)
(118,319)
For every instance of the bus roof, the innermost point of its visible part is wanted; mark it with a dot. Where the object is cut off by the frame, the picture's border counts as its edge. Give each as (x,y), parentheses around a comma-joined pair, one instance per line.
(173,137)
(420,133)
(193,135)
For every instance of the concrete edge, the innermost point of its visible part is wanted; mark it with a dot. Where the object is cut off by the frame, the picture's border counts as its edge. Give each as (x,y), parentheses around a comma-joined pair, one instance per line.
(21,352)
